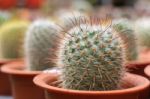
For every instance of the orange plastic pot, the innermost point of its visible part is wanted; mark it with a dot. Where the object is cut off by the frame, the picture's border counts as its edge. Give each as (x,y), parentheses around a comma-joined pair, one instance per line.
(5,88)
(21,81)
(134,87)
(7,4)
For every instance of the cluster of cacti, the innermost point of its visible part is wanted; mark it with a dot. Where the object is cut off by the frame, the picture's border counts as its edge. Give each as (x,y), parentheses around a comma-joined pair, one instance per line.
(40,38)
(142,28)
(92,56)
(11,39)
(124,27)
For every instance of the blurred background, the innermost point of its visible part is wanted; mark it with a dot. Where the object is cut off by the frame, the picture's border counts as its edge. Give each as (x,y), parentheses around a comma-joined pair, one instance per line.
(33,9)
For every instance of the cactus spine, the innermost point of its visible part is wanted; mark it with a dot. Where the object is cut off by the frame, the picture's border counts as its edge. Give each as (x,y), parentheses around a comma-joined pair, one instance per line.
(126,30)
(11,39)
(92,56)
(40,37)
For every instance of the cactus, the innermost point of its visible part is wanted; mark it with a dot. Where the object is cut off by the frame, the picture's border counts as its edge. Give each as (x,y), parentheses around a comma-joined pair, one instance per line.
(92,56)
(40,37)
(11,39)
(4,16)
(142,28)
(124,27)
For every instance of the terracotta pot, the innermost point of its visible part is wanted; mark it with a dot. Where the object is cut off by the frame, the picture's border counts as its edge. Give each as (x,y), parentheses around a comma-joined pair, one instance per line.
(21,81)
(7,4)
(34,3)
(147,71)
(134,87)
(5,88)
(137,67)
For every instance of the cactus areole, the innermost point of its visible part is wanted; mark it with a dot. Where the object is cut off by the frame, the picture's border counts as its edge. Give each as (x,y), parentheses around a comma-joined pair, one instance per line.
(92,55)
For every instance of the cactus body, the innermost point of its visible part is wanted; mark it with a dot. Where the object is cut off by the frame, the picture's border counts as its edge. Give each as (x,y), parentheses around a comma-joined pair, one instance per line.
(92,56)
(40,37)
(11,39)
(128,34)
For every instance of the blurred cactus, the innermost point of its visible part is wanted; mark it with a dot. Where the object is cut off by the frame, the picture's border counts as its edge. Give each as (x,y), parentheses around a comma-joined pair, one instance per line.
(124,27)
(92,56)
(11,37)
(81,6)
(40,37)
(68,18)
(142,28)
(4,16)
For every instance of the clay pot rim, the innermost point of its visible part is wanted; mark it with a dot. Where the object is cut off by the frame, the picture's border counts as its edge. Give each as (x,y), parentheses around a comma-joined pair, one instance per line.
(3,61)
(42,80)
(17,68)
(147,71)
(137,64)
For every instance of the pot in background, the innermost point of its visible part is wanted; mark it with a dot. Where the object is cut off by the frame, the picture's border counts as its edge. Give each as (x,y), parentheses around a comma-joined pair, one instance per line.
(21,81)
(5,88)
(147,71)
(138,66)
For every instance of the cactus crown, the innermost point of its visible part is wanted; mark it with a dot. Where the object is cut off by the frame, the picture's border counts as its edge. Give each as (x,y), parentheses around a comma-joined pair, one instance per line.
(11,37)
(126,30)
(91,55)
(40,38)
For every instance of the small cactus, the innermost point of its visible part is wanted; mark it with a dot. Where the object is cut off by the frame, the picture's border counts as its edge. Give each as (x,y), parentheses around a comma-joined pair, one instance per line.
(11,39)
(142,29)
(40,37)
(124,27)
(92,56)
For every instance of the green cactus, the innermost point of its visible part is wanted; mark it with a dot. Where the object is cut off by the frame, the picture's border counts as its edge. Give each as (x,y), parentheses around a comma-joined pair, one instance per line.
(11,39)
(40,37)
(142,28)
(124,27)
(92,56)
(4,16)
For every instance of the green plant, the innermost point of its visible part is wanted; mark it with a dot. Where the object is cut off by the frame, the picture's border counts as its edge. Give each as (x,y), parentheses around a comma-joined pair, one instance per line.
(11,38)
(142,28)
(4,17)
(92,56)
(124,27)
(40,37)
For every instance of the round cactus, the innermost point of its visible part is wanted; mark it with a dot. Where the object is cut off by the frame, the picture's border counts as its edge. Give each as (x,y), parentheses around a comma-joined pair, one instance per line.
(124,27)
(92,56)
(11,39)
(40,38)
(142,28)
